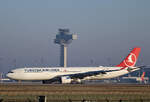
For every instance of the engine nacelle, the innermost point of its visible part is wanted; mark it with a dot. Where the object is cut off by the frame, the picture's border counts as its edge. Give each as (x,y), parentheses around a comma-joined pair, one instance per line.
(66,79)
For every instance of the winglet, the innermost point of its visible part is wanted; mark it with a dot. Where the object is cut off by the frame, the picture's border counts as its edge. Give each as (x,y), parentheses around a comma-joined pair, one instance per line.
(131,59)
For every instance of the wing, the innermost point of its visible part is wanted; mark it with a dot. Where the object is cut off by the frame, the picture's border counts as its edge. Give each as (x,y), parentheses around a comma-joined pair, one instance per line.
(79,75)
(86,74)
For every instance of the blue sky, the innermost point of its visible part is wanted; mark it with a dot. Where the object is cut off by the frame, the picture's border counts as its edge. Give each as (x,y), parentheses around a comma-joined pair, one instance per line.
(106,30)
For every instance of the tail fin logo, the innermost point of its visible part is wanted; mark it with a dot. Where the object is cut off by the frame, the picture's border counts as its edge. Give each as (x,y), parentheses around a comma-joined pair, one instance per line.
(130,60)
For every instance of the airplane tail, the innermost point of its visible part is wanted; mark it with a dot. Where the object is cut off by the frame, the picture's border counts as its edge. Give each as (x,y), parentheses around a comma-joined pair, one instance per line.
(131,59)
(142,77)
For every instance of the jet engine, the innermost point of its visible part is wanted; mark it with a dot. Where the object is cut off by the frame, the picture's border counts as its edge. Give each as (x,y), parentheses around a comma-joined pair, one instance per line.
(65,80)
(62,80)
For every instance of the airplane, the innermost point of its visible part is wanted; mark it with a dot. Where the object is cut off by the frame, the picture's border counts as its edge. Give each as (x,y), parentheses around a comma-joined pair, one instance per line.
(76,74)
(138,79)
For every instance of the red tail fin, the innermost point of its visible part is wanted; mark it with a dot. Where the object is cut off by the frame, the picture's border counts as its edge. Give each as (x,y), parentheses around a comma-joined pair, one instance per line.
(142,77)
(131,59)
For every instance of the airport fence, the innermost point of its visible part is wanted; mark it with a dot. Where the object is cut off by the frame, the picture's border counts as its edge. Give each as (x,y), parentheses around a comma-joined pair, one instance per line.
(70,100)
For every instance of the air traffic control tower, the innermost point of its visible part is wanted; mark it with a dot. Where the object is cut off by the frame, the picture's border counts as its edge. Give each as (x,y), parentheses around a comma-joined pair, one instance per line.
(64,38)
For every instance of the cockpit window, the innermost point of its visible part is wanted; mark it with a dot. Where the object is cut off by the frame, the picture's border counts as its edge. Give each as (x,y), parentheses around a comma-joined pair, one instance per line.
(10,72)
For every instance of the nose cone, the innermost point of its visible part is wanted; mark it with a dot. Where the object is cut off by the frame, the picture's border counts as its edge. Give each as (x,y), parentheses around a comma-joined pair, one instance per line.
(9,75)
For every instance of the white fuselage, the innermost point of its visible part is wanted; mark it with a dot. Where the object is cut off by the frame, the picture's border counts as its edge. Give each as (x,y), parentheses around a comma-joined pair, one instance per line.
(49,73)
